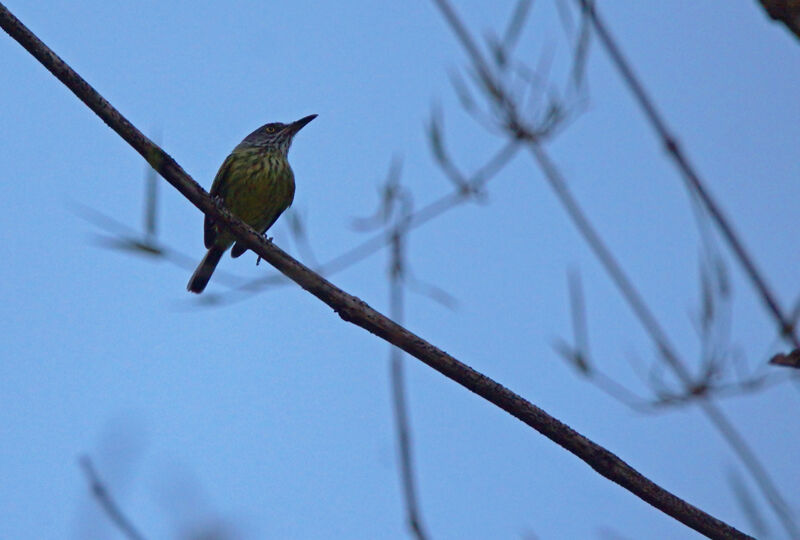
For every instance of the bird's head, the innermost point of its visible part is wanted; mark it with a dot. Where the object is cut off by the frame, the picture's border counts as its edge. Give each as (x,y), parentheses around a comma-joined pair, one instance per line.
(276,136)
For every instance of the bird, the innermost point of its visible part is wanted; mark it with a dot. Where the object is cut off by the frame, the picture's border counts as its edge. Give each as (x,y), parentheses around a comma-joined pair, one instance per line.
(256,183)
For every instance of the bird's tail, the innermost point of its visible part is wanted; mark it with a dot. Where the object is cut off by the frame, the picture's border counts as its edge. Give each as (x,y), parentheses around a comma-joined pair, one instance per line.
(204,270)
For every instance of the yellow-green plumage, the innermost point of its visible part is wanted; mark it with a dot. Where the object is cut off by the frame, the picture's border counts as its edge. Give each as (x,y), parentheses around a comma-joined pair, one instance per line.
(256,183)
(256,186)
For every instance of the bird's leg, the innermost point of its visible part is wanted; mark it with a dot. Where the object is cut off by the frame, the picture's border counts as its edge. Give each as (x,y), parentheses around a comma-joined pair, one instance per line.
(268,239)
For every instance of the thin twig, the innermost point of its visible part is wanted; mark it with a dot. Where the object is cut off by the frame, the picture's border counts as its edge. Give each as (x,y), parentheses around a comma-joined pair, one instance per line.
(125,238)
(151,204)
(105,501)
(402,421)
(354,310)
(515,24)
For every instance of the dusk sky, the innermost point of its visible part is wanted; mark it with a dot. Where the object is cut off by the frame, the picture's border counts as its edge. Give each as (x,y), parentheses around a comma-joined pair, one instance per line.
(265,415)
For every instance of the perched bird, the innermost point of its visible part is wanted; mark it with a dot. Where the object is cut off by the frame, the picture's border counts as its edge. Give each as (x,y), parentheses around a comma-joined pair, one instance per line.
(256,184)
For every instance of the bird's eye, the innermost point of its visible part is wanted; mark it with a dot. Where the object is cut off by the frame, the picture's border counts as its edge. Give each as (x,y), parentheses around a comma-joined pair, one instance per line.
(270,129)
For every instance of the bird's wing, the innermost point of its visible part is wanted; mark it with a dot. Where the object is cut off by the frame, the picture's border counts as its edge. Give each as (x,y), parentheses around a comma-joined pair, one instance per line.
(217,190)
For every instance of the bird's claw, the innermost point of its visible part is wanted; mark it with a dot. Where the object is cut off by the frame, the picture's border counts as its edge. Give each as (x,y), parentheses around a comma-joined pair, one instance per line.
(267,239)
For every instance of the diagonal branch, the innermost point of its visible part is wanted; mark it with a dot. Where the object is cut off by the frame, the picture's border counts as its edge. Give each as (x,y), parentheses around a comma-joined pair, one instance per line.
(356,311)
(785,11)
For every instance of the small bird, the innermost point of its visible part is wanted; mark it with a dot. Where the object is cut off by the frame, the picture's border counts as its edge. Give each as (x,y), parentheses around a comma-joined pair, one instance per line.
(256,184)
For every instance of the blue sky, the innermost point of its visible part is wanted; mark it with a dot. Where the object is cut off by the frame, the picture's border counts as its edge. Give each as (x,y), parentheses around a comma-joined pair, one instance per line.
(272,415)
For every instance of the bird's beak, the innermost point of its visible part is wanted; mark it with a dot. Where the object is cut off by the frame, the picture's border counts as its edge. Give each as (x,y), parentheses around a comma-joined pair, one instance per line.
(294,127)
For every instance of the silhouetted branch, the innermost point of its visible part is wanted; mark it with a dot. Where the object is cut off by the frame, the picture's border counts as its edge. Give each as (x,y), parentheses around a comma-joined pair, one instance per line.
(151,204)
(748,503)
(790,360)
(124,238)
(392,213)
(785,11)
(397,267)
(579,326)
(354,310)
(578,356)
(297,227)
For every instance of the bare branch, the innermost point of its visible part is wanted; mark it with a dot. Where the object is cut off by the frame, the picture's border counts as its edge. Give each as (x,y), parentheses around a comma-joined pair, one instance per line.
(397,277)
(785,11)
(123,238)
(790,360)
(515,24)
(748,503)
(297,226)
(151,204)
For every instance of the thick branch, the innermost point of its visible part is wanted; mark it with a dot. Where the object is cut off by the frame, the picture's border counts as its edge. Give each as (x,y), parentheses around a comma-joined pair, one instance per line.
(356,311)
(785,11)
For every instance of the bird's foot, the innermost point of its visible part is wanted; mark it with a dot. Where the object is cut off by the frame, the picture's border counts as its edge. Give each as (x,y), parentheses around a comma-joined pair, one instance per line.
(268,239)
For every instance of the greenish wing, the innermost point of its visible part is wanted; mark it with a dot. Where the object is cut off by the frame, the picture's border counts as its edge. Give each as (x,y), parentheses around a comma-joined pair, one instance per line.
(218,189)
